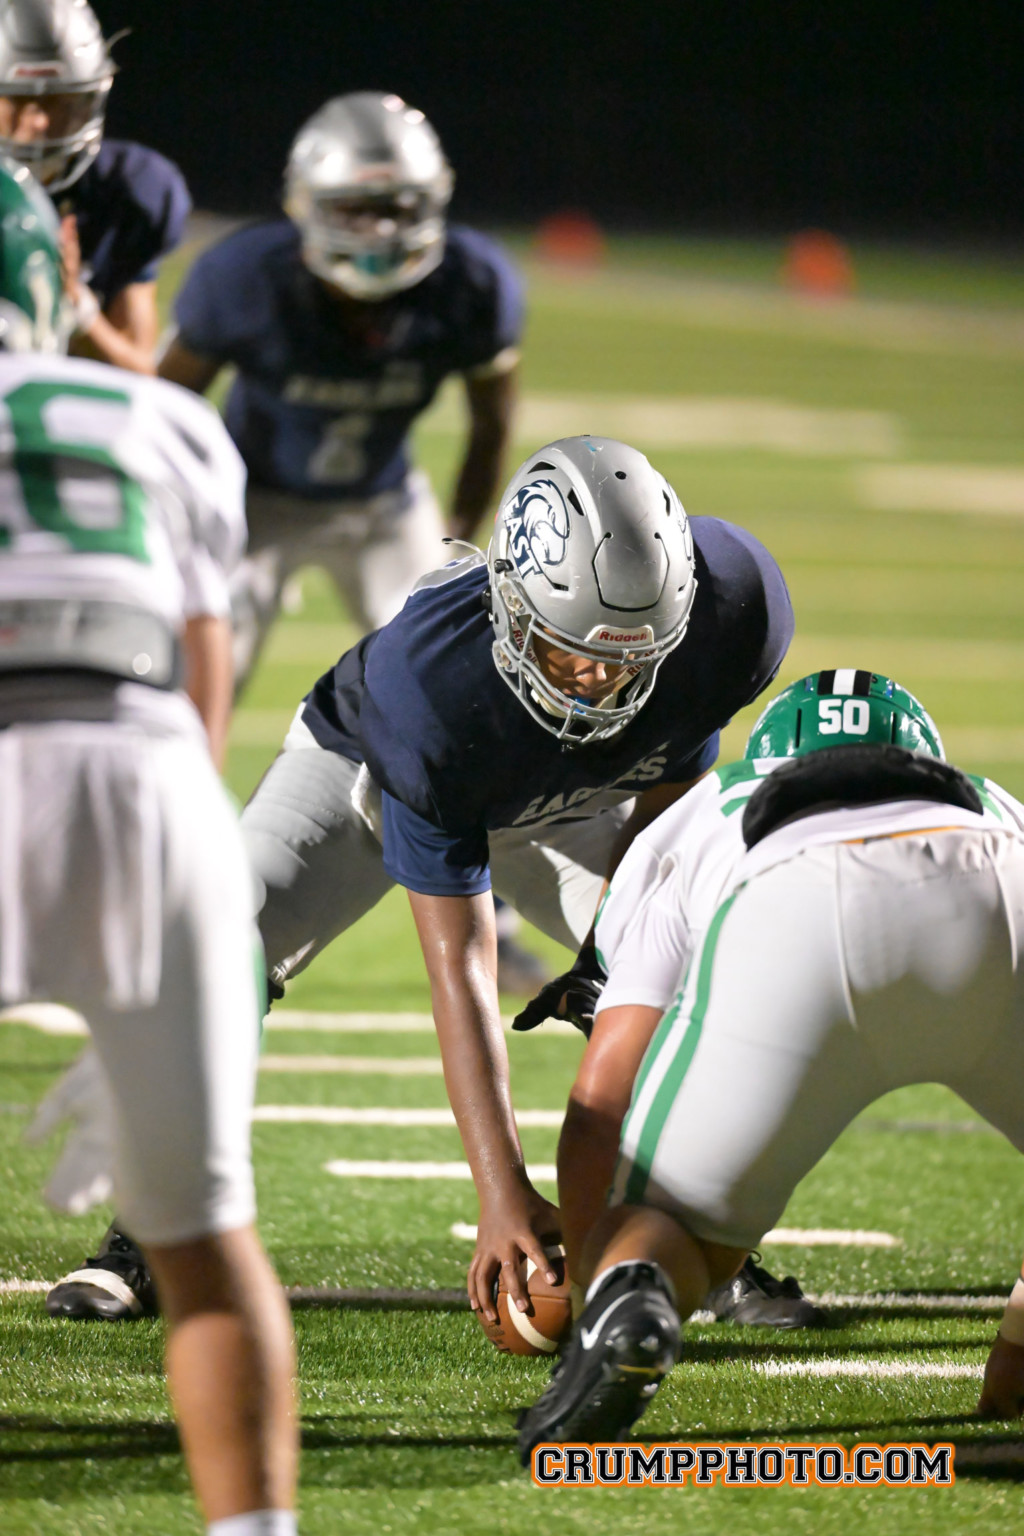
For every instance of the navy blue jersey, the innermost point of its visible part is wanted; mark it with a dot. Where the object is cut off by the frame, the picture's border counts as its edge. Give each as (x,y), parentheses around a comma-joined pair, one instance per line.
(457,755)
(130,207)
(319,407)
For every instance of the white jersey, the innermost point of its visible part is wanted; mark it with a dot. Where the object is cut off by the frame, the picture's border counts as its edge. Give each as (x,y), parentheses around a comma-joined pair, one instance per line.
(680,869)
(116,490)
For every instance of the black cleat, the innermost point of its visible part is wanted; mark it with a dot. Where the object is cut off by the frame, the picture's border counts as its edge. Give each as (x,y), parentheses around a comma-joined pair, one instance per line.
(756,1299)
(626,1341)
(115,1285)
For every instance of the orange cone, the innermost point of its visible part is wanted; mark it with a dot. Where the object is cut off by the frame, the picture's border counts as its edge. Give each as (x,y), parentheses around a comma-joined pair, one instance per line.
(572,239)
(818,263)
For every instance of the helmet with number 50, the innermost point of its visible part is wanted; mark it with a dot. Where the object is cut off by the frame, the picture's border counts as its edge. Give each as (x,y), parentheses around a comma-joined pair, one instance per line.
(592,554)
(367,183)
(842,708)
(55,76)
(32,311)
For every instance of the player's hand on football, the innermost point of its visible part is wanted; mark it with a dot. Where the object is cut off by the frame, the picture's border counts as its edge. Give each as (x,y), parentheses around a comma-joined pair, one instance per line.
(1002,1393)
(510,1227)
(572,996)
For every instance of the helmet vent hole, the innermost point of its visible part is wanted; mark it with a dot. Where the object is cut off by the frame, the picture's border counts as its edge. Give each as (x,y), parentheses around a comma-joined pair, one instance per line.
(574,501)
(668,504)
(540,464)
(620,474)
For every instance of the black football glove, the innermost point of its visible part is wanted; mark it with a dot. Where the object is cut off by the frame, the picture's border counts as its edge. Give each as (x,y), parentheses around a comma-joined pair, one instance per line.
(581,986)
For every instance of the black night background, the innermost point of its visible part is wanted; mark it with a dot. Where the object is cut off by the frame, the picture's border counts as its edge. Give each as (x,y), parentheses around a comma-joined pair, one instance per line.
(900,121)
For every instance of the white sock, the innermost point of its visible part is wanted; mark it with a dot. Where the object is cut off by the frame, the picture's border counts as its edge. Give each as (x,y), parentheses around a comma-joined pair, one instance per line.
(624,1264)
(258,1522)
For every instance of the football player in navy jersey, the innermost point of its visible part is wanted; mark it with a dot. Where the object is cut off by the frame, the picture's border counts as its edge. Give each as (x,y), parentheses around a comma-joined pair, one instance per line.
(123,206)
(519,721)
(341,321)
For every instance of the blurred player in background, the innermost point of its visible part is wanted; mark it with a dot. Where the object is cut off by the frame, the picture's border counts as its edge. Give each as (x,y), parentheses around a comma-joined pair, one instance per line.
(342,320)
(838,915)
(123,206)
(124,889)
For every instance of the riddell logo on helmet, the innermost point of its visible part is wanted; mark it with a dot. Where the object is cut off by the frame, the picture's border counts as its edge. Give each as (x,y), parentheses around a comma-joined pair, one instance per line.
(37,71)
(604,635)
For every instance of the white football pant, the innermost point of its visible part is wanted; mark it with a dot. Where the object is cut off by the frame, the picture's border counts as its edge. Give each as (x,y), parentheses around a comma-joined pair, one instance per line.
(124,893)
(825,982)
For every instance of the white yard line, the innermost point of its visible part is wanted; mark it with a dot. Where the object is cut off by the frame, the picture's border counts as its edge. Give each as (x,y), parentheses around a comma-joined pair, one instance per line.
(827,1237)
(911,1301)
(869,324)
(394,1168)
(385,1066)
(330,1114)
(385,1023)
(802,1237)
(351,1023)
(884,1301)
(691,421)
(868,1368)
(50,1018)
(990,489)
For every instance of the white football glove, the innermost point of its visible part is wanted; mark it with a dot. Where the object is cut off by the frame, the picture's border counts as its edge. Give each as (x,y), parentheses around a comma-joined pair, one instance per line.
(81,1177)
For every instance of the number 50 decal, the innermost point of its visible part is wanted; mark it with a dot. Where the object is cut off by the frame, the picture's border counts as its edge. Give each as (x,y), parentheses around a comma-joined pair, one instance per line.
(851,716)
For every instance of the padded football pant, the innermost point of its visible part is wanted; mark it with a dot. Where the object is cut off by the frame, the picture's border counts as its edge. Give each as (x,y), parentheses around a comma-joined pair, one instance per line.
(124,893)
(374,552)
(825,982)
(319,867)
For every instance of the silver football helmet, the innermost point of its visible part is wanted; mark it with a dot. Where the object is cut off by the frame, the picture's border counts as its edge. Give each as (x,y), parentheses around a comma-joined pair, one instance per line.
(53,60)
(592,551)
(367,183)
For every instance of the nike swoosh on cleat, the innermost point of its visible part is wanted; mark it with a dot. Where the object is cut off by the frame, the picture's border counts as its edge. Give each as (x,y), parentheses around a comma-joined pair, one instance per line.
(588,1336)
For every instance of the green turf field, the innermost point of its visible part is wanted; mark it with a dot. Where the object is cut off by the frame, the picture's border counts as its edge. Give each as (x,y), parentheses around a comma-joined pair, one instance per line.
(875,445)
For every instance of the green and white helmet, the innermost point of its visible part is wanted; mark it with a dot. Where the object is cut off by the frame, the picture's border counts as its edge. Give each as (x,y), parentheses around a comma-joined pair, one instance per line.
(842,708)
(32,309)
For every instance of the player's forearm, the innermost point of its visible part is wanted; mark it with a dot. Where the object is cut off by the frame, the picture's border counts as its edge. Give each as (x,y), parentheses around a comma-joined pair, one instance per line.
(476,1075)
(478,482)
(457,935)
(491,402)
(107,344)
(589,1143)
(209,678)
(587,1149)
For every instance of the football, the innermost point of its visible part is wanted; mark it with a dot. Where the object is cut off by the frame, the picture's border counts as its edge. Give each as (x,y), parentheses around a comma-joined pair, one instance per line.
(540,1329)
